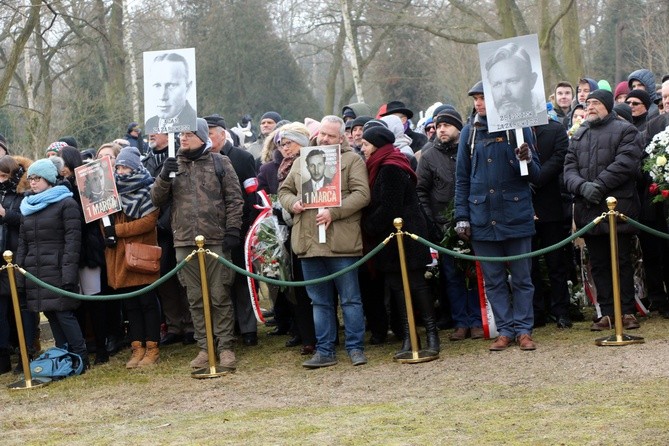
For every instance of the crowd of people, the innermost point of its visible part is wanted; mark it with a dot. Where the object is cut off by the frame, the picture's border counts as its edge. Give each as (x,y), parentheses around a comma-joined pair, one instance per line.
(448,178)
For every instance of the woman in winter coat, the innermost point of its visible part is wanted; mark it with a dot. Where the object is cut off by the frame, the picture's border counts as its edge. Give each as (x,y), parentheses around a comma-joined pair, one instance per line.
(49,248)
(392,182)
(136,223)
(91,264)
(13,184)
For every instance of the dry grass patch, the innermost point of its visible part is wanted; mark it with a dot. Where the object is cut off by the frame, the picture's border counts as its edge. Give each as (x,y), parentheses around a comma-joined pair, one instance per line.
(569,391)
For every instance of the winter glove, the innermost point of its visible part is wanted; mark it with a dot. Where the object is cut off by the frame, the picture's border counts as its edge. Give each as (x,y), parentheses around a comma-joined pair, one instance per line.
(110,236)
(170,165)
(463,230)
(591,192)
(523,153)
(230,242)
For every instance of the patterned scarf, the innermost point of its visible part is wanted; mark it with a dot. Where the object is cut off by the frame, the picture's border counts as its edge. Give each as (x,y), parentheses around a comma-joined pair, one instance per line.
(134,189)
(37,202)
(284,168)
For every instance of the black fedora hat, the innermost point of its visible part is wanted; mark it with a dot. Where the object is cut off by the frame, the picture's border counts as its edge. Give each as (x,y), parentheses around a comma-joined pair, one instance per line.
(398,107)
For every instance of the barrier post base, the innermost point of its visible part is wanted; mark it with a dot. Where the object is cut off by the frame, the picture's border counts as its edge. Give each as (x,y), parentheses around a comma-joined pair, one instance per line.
(619,340)
(211,372)
(29,384)
(416,356)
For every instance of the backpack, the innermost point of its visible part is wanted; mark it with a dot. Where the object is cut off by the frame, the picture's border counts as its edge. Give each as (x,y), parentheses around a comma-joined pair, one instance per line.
(56,363)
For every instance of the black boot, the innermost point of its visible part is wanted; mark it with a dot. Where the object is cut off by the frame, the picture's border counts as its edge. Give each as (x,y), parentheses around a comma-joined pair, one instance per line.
(423,299)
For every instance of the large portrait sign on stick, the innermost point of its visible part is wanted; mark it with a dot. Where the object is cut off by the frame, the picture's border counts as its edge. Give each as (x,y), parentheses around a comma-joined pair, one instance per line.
(513,83)
(97,189)
(321,182)
(170,93)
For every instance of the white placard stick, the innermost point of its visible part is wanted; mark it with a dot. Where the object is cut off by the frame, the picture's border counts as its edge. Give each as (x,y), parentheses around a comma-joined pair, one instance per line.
(171,149)
(106,221)
(321,229)
(520,139)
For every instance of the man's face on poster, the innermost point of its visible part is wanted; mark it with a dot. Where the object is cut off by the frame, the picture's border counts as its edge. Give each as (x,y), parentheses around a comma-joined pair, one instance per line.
(511,81)
(170,86)
(316,167)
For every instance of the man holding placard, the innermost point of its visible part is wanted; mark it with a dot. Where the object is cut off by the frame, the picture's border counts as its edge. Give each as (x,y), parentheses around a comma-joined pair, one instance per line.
(493,208)
(338,245)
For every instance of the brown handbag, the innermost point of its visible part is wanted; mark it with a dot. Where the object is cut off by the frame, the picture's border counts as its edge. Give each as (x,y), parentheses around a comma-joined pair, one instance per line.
(142,258)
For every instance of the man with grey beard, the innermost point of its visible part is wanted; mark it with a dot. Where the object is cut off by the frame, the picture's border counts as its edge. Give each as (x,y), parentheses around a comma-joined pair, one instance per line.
(603,161)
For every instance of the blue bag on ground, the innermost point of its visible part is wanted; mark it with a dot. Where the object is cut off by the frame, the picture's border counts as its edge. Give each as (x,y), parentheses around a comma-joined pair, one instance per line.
(56,363)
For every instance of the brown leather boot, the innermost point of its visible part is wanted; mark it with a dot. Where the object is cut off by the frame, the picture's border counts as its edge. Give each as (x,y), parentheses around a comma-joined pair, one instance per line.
(138,352)
(501,343)
(151,356)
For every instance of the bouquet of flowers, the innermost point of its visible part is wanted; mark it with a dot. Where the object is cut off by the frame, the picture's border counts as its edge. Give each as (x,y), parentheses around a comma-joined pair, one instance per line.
(270,255)
(657,167)
(454,243)
(575,126)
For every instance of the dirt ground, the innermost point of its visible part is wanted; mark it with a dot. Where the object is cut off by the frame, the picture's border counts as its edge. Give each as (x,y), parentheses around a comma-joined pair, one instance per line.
(568,391)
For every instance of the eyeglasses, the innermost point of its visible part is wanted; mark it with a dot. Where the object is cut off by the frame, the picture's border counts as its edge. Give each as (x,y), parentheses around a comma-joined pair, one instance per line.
(633,104)
(285,144)
(186,135)
(34,179)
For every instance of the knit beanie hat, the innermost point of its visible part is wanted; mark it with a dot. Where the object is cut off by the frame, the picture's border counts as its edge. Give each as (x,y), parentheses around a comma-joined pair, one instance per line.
(133,126)
(449,117)
(442,108)
(129,157)
(202,131)
(373,123)
(55,147)
(641,95)
(44,168)
(603,96)
(58,163)
(274,116)
(378,136)
(621,88)
(70,141)
(604,85)
(299,138)
(360,121)
(624,111)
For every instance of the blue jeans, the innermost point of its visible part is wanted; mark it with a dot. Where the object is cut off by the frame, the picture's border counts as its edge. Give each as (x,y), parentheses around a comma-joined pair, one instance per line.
(323,300)
(514,314)
(465,305)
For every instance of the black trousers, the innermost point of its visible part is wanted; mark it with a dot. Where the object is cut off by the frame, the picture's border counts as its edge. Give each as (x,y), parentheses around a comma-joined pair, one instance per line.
(599,248)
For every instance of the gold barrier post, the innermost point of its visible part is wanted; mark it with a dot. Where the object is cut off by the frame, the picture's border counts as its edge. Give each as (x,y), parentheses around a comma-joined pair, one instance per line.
(619,338)
(212,371)
(28,382)
(415,355)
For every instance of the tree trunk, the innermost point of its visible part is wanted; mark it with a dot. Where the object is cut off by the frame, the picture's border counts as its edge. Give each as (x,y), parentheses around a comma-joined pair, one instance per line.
(130,57)
(331,82)
(572,57)
(353,53)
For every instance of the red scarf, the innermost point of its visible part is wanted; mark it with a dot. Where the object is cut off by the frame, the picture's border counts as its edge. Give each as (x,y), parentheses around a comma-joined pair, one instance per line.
(388,155)
(284,168)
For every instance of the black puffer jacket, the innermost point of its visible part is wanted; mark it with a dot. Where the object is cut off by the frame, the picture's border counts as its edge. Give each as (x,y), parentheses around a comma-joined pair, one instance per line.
(607,153)
(436,181)
(49,248)
(394,195)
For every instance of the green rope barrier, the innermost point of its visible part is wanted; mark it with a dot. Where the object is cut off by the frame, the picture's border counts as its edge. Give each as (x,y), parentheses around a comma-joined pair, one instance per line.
(648,229)
(269,280)
(102,297)
(558,245)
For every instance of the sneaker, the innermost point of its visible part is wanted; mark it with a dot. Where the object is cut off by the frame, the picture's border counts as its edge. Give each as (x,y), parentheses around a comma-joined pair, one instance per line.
(358,357)
(201,360)
(501,343)
(227,359)
(630,322)
(319,360)
(460,334)
(476,332)
(525,342)
(604,323)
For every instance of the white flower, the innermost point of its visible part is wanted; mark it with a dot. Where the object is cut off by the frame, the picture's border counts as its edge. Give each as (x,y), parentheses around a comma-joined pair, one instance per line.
(661,161)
